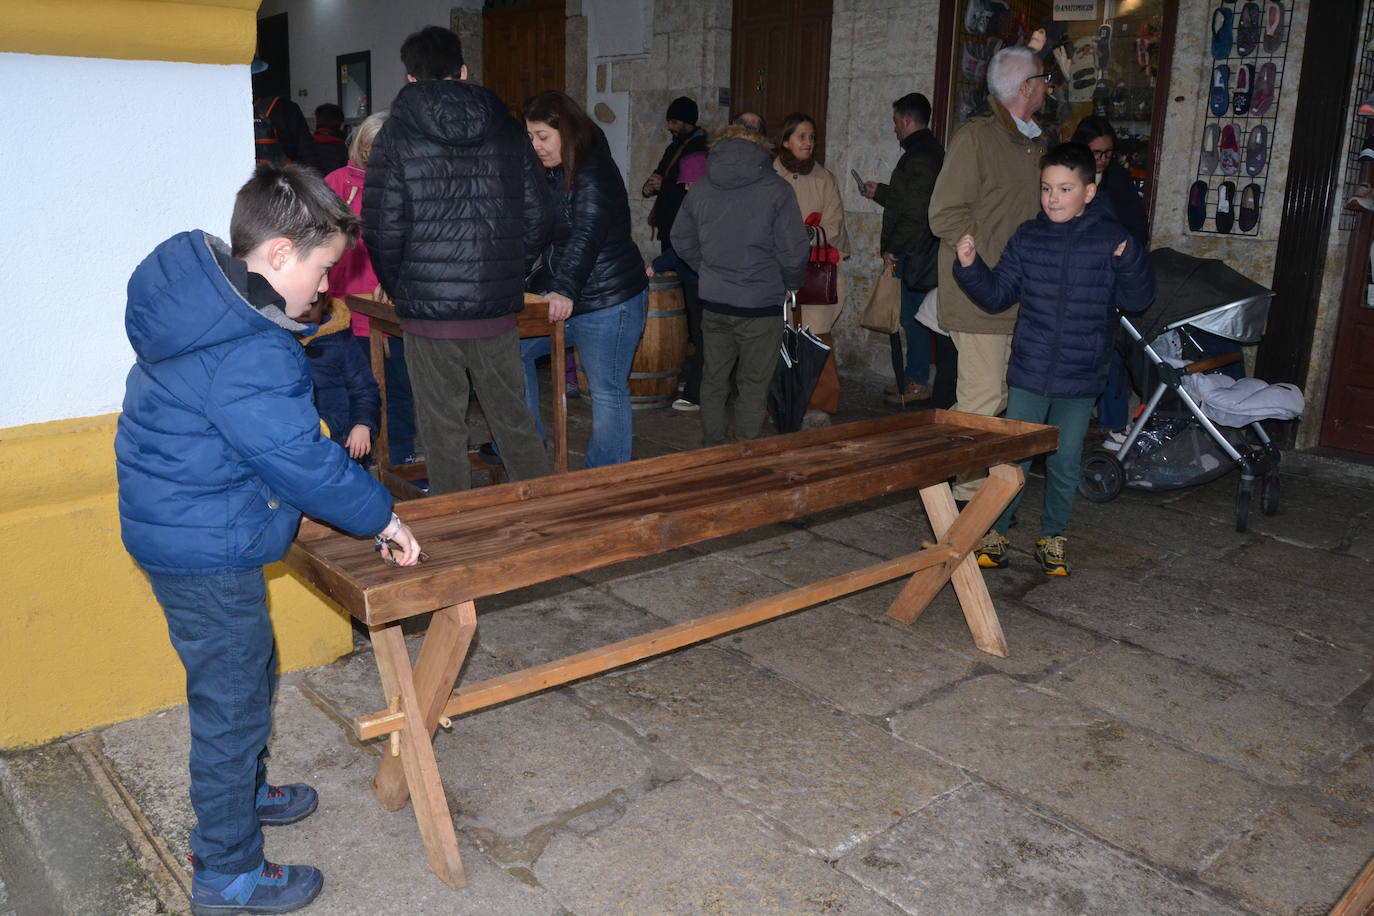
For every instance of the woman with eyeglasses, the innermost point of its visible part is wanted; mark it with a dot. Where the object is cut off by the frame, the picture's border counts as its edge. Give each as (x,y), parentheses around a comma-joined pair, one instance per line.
(1114,184)
(1116,191)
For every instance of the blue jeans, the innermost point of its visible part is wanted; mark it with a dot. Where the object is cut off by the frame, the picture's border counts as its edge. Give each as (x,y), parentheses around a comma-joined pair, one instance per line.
(1071,415)
(917,337)
(219,626)
(605,340)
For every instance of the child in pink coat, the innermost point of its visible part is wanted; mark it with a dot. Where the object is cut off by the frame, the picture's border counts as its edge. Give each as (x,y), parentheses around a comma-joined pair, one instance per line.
(353,276)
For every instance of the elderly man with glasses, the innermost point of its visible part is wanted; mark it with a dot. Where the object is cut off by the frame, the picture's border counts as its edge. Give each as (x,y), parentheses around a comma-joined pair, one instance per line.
(989,185)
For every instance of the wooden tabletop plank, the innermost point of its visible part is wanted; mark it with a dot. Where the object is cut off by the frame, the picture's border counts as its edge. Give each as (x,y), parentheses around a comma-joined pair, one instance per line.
(484,542)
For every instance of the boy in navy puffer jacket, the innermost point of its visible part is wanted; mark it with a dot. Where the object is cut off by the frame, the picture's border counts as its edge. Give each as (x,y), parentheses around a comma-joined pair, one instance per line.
(346,394)
(218,453)
(1072,268)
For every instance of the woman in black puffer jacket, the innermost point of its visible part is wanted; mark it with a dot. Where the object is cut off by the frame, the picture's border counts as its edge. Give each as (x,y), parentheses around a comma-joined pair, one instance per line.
(597,279)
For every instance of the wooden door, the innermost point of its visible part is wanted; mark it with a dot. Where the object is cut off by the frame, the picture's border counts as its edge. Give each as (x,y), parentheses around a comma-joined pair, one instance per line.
(274,47)
(522,50)
(1348,422)
(780,62)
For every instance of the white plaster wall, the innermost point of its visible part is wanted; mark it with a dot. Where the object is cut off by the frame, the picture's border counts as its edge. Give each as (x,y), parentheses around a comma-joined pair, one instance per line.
(118,156)
(321,30)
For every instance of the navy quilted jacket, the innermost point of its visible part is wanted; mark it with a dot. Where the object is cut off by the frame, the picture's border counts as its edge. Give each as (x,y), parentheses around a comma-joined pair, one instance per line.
(1070,286)
(346,394)
(219,449)
(455,205)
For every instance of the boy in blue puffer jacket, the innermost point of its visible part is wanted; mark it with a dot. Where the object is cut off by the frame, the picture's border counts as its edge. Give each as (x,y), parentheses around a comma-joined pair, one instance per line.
(346,394)
(1072,268)
(218,453)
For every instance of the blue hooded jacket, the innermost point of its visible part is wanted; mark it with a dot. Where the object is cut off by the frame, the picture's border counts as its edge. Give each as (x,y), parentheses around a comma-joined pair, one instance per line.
(219,449)
(1070,285)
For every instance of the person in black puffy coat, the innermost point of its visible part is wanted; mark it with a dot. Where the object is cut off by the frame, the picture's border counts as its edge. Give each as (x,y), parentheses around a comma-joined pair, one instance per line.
(596,275)
(455,211)
(1071,268)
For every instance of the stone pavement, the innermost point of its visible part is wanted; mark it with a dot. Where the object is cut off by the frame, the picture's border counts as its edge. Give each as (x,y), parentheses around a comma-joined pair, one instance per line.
(1185,726)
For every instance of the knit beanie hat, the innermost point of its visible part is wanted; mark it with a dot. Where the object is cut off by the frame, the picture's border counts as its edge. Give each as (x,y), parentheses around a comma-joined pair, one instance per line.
(682,109)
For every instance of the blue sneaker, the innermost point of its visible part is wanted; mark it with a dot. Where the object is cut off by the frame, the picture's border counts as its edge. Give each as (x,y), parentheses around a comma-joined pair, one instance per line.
(269,889)
(278,805)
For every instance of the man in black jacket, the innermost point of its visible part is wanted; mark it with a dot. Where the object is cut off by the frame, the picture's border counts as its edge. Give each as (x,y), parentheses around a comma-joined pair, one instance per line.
(907,241)
(455,212)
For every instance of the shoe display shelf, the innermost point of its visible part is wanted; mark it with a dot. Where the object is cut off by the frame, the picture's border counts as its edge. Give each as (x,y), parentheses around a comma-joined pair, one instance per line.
(1359,161)
(1248,49)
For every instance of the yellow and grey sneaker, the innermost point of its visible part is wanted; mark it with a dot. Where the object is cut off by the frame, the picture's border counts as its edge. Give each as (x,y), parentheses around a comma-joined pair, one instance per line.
(1050,551)
(992,553)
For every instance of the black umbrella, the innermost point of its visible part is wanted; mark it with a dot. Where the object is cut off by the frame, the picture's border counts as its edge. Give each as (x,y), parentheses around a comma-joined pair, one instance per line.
(801,358)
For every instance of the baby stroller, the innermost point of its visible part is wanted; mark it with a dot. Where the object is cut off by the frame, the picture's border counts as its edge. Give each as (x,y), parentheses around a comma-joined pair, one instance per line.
(1198,424)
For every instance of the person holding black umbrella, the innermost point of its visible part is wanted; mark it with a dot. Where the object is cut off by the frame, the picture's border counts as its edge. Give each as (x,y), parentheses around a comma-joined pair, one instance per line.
(741,230)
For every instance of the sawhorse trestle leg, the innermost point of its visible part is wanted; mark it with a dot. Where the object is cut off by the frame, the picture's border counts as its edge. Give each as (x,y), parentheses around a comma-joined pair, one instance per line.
(962,531)
(422,693)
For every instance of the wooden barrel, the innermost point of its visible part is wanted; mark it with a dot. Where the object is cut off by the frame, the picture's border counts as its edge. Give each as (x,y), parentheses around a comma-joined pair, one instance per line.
(662,351)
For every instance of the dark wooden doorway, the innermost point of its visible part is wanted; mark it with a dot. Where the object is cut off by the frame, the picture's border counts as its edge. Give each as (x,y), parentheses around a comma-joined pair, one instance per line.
(274,47)
(1348,421)
(780,62)
(522,49)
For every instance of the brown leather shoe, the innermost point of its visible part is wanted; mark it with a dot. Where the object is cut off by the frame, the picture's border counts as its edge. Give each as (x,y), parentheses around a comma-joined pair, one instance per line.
(914,392)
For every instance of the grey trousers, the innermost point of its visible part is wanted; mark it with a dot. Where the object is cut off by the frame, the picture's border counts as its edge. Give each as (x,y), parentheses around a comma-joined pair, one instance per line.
(748,347)
(439,378)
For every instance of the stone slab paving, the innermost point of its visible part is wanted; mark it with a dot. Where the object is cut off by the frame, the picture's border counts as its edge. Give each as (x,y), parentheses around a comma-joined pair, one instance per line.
(1299,858)
(976,852)
(1268,737)
(1353,781)
(687,849)
(816,649)
(829,778)
(693,587)
(1312,512)
(1148,519)
(1037,643)
(1122,784)
(367,854)
(1179,623)
(1318,568)
(1325,611)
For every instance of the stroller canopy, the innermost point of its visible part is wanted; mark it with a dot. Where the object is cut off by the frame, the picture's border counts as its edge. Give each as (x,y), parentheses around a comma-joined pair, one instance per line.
(1206,294)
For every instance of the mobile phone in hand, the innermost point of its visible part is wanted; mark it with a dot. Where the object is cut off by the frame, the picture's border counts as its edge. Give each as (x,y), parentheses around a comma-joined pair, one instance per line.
(857,179)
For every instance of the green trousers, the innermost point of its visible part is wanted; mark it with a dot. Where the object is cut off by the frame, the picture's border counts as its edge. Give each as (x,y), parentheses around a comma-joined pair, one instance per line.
(1071,415)
(748,348)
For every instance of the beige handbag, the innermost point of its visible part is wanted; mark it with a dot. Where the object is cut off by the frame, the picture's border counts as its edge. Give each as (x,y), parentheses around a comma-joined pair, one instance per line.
(884,310)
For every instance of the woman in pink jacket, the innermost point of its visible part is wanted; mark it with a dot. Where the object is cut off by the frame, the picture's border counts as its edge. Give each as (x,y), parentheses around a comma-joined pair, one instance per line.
(353,276)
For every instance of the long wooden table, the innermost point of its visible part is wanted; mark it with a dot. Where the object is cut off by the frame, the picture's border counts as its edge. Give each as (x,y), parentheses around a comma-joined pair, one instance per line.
(488,541)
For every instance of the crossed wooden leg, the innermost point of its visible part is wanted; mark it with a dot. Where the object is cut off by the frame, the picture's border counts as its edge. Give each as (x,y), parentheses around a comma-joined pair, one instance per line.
(421,695)
(962,531)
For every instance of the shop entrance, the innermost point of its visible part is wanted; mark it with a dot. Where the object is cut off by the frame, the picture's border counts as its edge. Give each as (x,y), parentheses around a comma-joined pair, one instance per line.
(1349,419)
(522,50)
(780,62)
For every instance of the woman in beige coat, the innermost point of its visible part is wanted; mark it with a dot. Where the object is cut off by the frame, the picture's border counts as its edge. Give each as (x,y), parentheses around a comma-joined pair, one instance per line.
(816,192)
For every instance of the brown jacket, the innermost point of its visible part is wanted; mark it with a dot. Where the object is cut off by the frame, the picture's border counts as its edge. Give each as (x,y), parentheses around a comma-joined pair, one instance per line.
(817,192)
(990,185)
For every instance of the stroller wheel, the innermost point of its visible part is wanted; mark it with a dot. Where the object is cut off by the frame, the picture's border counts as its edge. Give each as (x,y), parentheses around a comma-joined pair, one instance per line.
(1101,478)
(1269,496)
(1243,492)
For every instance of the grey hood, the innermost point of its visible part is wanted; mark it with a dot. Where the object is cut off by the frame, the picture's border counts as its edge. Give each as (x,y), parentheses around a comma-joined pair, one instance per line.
(737,163)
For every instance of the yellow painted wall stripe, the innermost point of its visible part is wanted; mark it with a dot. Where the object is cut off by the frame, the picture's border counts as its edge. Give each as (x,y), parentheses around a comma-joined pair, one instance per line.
(83,642)
(197,31)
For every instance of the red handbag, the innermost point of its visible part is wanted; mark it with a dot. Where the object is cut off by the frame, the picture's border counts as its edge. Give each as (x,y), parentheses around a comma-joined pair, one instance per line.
(822,271)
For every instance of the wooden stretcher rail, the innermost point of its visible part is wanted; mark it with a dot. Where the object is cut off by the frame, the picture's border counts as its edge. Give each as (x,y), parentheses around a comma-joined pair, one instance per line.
(575,667)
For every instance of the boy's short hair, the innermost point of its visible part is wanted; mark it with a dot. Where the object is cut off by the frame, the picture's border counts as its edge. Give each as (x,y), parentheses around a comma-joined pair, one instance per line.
(433,53)
(329,115)
(1075,156)
(915,106)
(290,202)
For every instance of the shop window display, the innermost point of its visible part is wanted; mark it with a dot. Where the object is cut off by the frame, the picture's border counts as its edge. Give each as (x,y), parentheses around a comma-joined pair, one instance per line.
(1110,59)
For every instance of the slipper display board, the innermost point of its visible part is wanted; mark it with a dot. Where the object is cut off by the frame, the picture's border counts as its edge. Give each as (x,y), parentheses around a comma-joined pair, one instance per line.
(1357,197)
(1244,74)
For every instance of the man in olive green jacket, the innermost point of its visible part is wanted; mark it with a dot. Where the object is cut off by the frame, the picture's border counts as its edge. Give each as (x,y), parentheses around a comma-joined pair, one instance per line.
(990,184)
